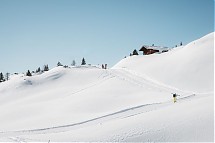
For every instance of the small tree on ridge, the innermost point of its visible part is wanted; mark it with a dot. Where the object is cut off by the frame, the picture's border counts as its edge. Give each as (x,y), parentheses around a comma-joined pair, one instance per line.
(83,62)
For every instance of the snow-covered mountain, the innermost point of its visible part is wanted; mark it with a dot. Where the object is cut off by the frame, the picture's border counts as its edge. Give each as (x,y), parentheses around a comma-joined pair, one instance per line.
(130,102)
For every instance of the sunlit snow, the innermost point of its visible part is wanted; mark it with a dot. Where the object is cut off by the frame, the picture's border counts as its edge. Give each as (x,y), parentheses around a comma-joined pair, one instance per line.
(132,101)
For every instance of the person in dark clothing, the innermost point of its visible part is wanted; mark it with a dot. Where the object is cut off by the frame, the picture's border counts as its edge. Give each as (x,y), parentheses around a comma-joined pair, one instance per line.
(174,97)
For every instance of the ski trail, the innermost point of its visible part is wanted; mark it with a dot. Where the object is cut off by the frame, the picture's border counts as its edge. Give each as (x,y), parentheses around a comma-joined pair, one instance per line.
(144,80)
(116,115)
(125,113)
(102,78)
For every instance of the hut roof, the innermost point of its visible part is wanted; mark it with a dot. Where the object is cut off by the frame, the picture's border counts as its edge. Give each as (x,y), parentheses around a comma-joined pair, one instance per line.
(160,48)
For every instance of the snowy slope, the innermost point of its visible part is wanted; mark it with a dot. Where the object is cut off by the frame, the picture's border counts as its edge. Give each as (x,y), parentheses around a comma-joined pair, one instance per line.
(189,68)
(130,102)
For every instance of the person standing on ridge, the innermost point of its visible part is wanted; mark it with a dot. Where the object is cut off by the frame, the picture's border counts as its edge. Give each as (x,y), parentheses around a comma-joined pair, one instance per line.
(174,97)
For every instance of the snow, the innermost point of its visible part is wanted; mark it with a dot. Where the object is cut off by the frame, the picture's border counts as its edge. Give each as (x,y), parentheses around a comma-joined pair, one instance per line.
(130,102)
(188,68)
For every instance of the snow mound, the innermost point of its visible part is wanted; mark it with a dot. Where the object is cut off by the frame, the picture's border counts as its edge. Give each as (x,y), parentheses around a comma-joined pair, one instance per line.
(187,68)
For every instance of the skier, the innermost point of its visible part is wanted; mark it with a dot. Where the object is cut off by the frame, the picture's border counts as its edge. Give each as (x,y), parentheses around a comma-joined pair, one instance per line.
(174,97)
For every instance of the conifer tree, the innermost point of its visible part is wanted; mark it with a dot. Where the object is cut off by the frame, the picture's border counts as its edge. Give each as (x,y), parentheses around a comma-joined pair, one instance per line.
(38,70)
(83,62)
(7,75)
(46,68)
(73,63)
(28,73)
(1,77)
(135,52)
(59,64)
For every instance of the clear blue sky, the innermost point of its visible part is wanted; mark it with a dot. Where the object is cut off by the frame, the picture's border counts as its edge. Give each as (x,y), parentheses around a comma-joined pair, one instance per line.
(38,32)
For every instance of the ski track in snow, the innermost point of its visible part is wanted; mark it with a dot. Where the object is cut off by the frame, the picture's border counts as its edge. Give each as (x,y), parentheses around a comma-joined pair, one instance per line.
(146,81)
(102,78)
(138,79)
(142,80)
(125,113)
(121,74)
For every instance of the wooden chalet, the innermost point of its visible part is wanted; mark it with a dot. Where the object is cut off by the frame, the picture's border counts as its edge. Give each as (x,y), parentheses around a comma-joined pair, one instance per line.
(147,50)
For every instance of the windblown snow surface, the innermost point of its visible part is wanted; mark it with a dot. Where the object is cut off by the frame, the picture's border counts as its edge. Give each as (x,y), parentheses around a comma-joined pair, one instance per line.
(130,102)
